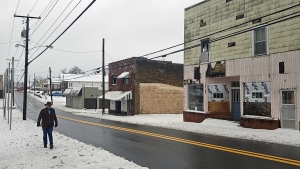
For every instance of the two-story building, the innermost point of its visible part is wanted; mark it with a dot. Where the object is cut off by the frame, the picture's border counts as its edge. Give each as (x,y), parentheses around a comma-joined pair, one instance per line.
(139,85)
(243,59)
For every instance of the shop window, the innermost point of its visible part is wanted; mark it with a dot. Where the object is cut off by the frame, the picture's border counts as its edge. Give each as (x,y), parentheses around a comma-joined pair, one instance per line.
(126,80)
(260,44)
(114,80)
(257,95)
(218,95)
(195,97)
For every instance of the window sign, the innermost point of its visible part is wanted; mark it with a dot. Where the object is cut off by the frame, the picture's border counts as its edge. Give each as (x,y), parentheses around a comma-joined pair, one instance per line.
(195,97)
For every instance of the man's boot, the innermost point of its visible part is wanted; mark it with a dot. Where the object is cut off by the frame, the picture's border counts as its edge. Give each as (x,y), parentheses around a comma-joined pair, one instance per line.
(45,146)
(51,146)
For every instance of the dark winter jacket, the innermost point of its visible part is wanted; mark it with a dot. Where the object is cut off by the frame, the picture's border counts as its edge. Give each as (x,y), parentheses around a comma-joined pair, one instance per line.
(47,119)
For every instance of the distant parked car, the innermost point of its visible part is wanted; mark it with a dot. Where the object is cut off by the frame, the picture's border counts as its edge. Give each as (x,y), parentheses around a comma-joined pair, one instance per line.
(57,93)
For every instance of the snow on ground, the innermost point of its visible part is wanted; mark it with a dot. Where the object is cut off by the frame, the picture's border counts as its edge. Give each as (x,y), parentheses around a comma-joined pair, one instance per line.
(22,147)
(209,126)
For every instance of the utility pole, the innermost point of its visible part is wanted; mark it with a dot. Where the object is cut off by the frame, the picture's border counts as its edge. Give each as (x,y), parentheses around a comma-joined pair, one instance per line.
(34,85)
(4,96)
(12,86)
(26,62)
(103,83)
(9,91)
(50,85)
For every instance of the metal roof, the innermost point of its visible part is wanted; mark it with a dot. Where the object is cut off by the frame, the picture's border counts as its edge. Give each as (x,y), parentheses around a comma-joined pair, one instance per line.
(124,75)
(117,95)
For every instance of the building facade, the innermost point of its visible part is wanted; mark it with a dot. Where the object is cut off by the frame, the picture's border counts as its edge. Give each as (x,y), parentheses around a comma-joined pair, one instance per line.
(243,59)
(129,77)
(1,86)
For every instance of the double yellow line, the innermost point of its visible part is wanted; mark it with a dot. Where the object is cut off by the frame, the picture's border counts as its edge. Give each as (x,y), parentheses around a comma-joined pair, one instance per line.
(191,142)
(196,143)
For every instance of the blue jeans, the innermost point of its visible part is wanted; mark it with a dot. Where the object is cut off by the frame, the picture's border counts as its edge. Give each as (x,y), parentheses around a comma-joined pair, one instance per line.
(47,131)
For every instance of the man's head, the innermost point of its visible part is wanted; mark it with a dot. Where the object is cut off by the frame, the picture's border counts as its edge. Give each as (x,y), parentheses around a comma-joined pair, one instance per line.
(48,105)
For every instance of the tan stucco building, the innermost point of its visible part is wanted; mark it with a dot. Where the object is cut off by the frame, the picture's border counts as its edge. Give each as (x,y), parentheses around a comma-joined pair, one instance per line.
(243,59)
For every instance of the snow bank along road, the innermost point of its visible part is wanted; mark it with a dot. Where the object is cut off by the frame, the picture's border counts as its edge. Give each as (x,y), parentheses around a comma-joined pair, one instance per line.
(164,148)
(22,147)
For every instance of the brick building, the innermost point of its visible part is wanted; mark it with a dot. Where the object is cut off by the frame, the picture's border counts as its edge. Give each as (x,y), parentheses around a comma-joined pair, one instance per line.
(132,79)
(245,60)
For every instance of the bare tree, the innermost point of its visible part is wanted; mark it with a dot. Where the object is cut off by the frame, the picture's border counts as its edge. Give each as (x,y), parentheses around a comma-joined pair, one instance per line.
(64,70)
(76,70)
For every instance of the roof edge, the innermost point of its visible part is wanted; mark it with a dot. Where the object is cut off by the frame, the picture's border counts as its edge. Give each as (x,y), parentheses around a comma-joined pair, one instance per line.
(197,4)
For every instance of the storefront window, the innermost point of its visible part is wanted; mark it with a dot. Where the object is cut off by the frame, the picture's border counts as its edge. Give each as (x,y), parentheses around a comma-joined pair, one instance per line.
(195,97)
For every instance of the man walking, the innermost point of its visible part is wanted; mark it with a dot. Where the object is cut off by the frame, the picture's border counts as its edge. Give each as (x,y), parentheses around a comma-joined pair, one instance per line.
(48,117)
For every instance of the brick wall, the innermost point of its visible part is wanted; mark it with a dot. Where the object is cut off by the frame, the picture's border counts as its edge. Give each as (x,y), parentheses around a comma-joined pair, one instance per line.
(160,99)
(219,15)
(151,71)
(117,68)
(144,71)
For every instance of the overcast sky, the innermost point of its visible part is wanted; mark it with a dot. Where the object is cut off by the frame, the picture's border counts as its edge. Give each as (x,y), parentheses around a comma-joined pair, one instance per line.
(130,28)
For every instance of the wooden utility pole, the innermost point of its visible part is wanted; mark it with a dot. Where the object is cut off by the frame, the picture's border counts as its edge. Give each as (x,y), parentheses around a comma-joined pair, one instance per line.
(50,85)
(26,62)
(103,83)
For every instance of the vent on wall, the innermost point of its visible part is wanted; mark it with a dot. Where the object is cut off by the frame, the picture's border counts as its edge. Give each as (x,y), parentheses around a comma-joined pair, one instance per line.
(239,16)
(256,21)
(281,67)
(202,23)
(231,44)
(228,1)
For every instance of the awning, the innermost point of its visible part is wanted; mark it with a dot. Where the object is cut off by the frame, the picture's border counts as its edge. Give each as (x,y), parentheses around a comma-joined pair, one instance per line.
(76,91)
(124,75)
(67,91)
(117,95)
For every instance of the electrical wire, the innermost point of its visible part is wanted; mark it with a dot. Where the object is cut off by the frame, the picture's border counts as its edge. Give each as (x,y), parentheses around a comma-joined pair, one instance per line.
(220,31)
(33,6)
(52,24)
(45,10)
(56,28)
(12,30)
(76,52)
(234,34)
(64,31)
(8,42)
(43,19)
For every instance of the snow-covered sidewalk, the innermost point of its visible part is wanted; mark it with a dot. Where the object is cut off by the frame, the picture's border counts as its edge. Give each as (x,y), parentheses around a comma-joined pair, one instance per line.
(209,126)
(22,147)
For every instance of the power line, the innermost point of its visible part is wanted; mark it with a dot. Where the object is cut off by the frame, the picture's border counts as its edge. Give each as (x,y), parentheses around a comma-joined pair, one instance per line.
(56,28)
(53,23)
(12,30)
(234,34)
(33,6)
(64,31)
(45,10)
(221,31)
(75,51)
(8,42)
(43,19)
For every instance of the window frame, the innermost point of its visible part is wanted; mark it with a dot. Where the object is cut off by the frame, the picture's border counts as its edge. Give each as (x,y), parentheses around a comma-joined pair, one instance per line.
(257,92)
(126,80)
(267,40)
(114,80)
(218,94)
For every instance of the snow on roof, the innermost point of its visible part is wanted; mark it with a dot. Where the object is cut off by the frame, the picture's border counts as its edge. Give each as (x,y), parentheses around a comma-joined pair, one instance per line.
(89,78)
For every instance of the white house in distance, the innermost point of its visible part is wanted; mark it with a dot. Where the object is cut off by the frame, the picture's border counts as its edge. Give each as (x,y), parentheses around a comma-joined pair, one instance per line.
(84,80)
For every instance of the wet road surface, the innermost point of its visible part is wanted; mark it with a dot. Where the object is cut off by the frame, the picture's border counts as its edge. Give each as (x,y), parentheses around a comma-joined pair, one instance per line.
(166,148)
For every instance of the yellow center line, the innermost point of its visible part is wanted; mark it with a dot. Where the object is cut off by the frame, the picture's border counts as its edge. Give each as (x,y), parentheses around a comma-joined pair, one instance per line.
(191,142)
(211,146)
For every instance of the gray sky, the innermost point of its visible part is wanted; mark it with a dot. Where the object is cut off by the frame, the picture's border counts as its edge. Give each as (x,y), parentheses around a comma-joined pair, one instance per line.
(130,28)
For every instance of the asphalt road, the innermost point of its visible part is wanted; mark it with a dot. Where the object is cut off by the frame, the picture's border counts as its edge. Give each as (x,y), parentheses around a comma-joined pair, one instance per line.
(157,148)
